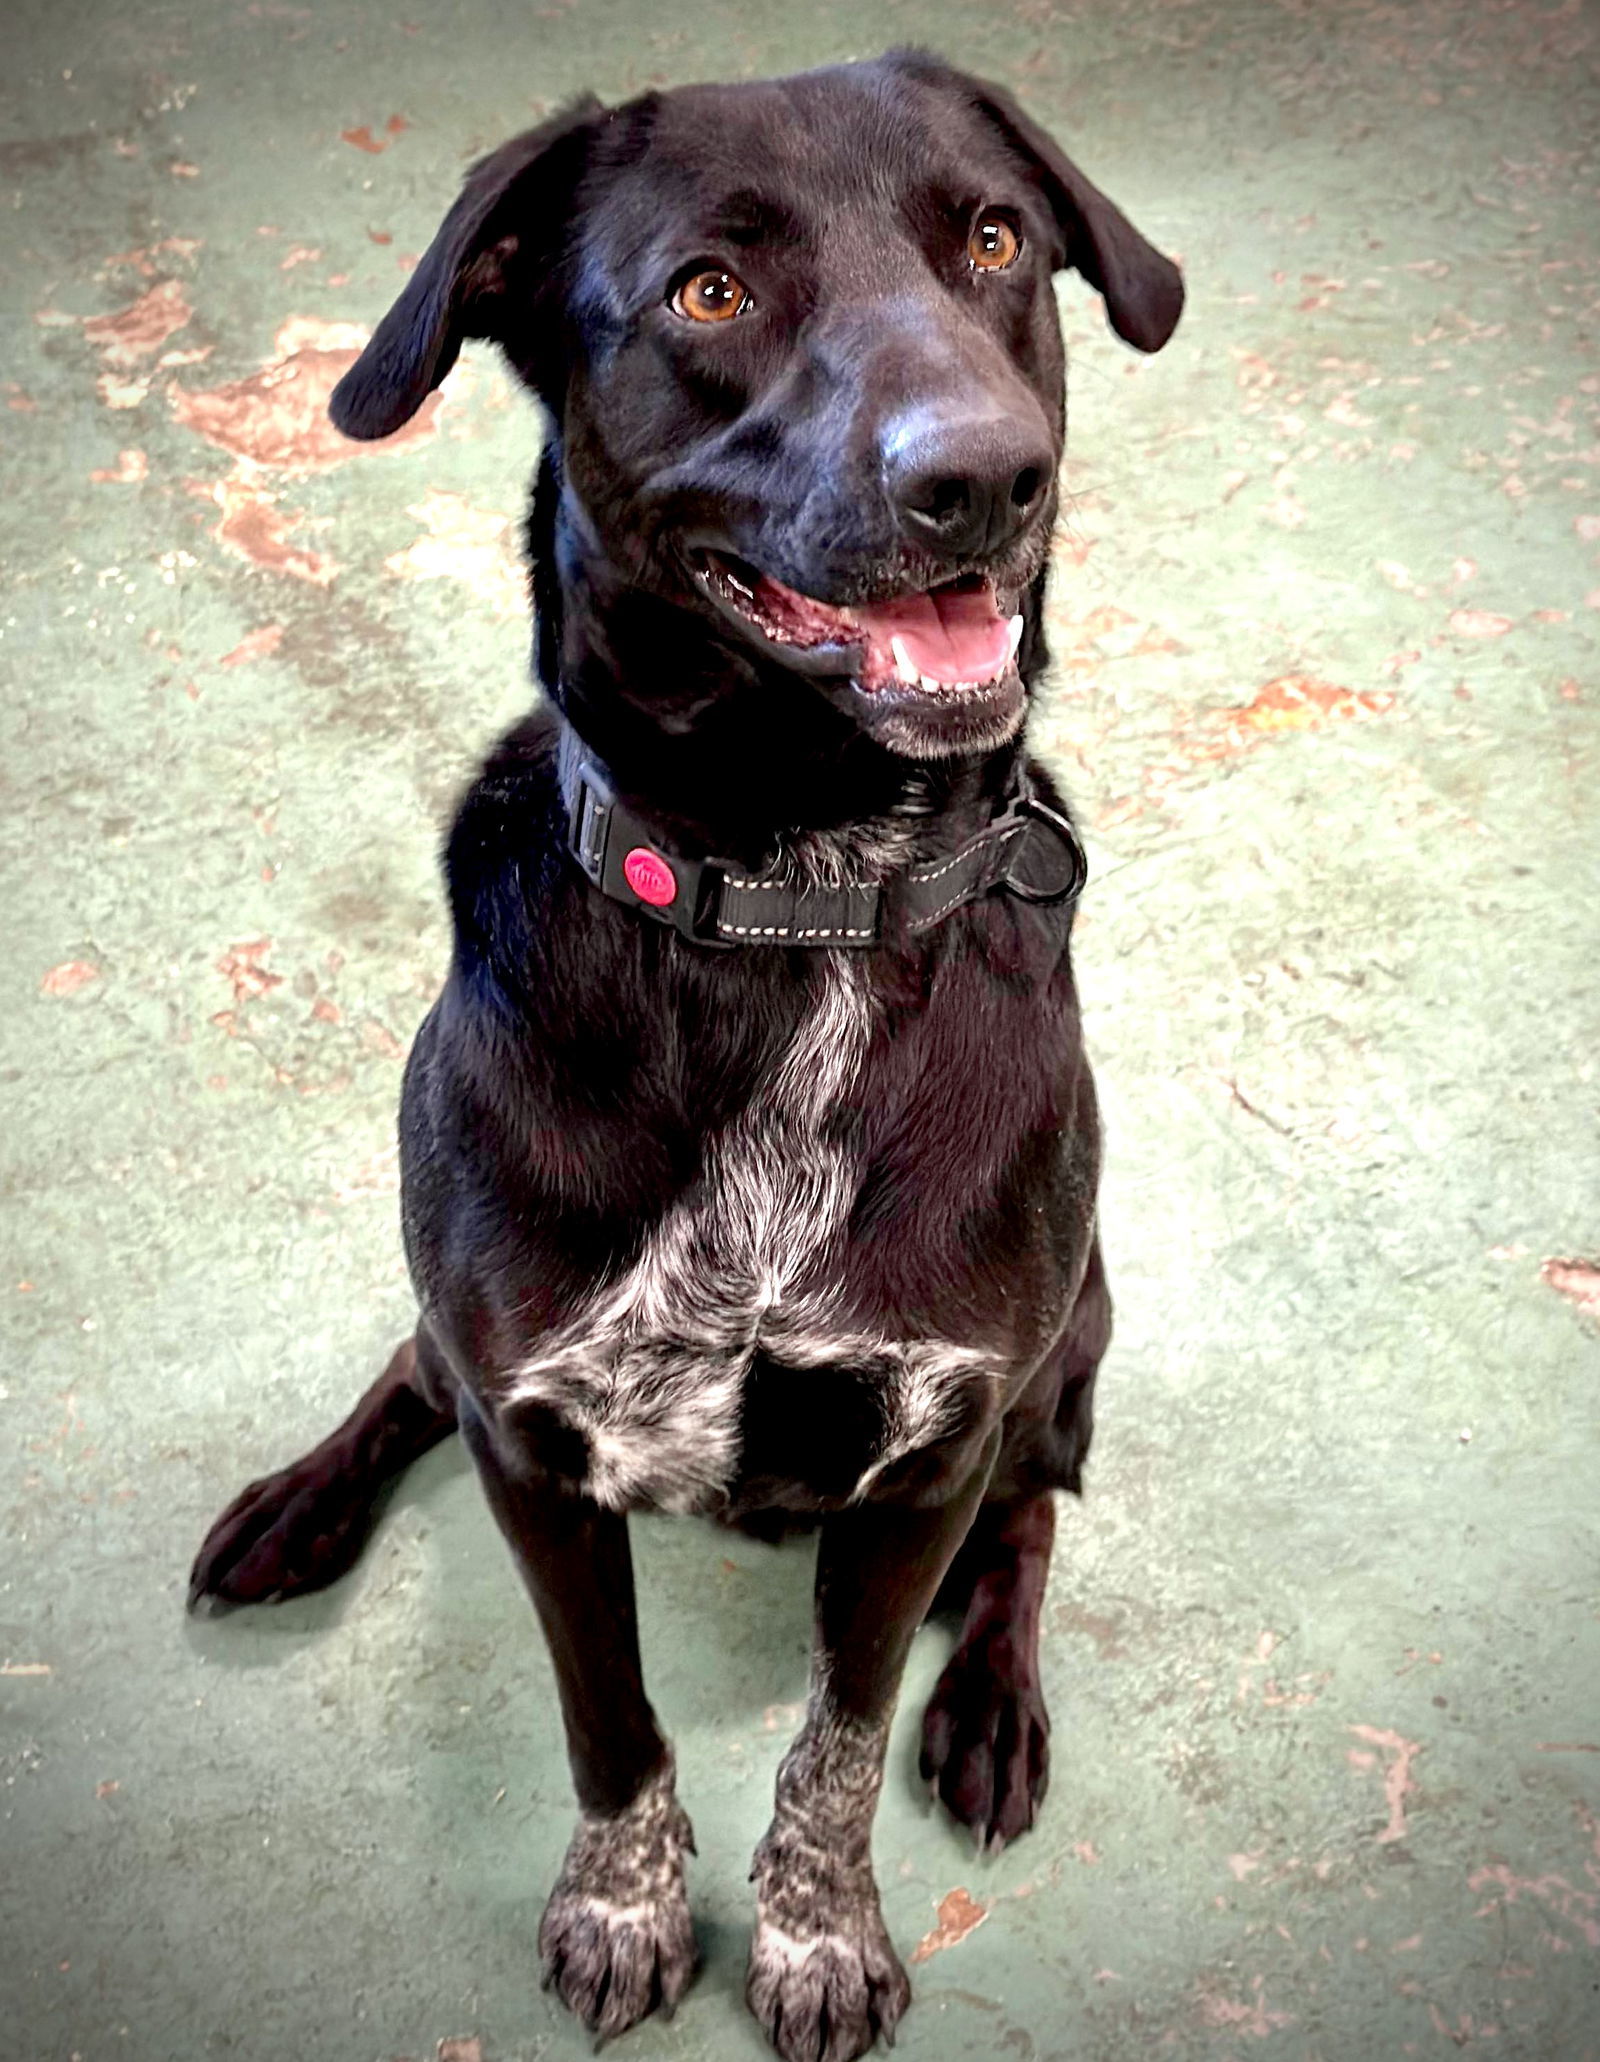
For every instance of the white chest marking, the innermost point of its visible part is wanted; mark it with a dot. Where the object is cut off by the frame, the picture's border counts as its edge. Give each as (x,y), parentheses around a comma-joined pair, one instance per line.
(652,1372)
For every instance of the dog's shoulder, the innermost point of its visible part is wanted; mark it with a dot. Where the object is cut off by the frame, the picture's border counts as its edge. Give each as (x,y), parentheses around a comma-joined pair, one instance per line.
(507,818)
(511,883)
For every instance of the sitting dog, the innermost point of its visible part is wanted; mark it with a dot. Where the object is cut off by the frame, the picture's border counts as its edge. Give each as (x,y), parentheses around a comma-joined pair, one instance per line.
(750,1151)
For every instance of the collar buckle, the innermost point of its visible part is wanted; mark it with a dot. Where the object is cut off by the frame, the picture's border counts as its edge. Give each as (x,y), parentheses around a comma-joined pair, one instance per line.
(623,860)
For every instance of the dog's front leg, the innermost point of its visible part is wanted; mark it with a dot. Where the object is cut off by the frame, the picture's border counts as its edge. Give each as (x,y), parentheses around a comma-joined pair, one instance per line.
(615,1939)
(824,1979)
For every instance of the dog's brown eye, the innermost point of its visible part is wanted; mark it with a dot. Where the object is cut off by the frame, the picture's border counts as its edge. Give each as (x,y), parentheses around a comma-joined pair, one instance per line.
(993,244)
(711,297)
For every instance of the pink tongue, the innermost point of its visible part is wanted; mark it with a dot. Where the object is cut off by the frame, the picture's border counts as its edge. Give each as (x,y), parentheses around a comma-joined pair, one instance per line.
(950,635)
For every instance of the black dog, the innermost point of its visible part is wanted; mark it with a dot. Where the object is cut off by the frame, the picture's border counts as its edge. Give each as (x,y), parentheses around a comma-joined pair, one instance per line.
(750,1151)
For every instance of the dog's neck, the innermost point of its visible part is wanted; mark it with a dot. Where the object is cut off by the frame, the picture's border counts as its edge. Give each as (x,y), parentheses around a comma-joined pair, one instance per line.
(763,791)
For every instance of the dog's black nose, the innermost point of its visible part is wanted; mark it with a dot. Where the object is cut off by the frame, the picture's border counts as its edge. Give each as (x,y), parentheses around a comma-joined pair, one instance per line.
(965,489)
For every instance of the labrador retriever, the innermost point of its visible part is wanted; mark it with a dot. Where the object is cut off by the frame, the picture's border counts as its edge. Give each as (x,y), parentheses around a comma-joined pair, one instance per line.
(750,1151)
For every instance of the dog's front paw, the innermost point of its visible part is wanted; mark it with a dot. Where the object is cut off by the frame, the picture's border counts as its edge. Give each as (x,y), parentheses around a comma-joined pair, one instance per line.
(824,1979)
(825,1997)
(986,1747)
(615,1939)
(613,1964)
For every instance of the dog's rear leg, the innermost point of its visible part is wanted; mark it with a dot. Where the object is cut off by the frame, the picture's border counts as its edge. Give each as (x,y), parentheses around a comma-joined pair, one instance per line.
(615,1938)
(301,1528)
(986,1733)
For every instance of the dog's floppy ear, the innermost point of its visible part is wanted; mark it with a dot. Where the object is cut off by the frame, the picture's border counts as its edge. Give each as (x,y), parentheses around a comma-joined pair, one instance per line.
(1143,291)
(455,291)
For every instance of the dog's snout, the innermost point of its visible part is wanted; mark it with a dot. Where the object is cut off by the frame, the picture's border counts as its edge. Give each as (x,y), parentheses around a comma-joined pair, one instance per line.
(965,489)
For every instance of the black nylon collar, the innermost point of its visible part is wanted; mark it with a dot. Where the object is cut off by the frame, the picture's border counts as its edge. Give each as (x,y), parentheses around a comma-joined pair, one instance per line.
(1027,849)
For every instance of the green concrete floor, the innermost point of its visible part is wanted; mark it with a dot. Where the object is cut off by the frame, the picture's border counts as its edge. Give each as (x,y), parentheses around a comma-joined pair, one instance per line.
(1324,1651)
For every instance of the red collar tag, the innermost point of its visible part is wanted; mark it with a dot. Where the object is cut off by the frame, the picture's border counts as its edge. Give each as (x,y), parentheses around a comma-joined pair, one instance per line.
(649,876)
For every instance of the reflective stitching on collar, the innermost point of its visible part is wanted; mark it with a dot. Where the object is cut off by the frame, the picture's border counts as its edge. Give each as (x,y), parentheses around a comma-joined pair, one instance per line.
(786,931)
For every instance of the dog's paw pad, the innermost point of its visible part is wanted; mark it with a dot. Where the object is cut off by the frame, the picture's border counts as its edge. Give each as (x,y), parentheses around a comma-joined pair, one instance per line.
(986,1749)
(826,1997)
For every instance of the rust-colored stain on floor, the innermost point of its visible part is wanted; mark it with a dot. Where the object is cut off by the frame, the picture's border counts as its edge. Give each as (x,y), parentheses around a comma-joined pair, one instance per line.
(278,417)
(959,1915)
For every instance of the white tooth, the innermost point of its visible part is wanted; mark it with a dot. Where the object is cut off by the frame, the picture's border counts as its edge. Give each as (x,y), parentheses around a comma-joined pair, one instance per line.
(1014,629)
(931,686)
(905,671)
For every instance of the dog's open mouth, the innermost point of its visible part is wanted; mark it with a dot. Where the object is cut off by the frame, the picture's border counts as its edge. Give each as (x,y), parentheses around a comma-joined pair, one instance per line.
(944,641)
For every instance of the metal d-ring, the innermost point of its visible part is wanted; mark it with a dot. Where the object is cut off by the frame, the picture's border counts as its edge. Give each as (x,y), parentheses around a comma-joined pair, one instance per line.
(1078,871)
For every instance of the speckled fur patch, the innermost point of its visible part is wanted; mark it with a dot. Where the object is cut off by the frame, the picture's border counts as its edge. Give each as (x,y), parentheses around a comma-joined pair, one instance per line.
(820,1957)
(652,1373)
(615,1938)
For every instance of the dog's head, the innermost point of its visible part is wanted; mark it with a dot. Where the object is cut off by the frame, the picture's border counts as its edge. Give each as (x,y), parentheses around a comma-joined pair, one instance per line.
(799,350)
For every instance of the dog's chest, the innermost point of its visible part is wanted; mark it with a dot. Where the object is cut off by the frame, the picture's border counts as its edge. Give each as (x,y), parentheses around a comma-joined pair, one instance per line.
(683,1375)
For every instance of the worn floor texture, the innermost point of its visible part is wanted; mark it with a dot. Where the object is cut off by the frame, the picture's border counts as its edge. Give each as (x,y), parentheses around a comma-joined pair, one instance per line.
(1324,1650)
